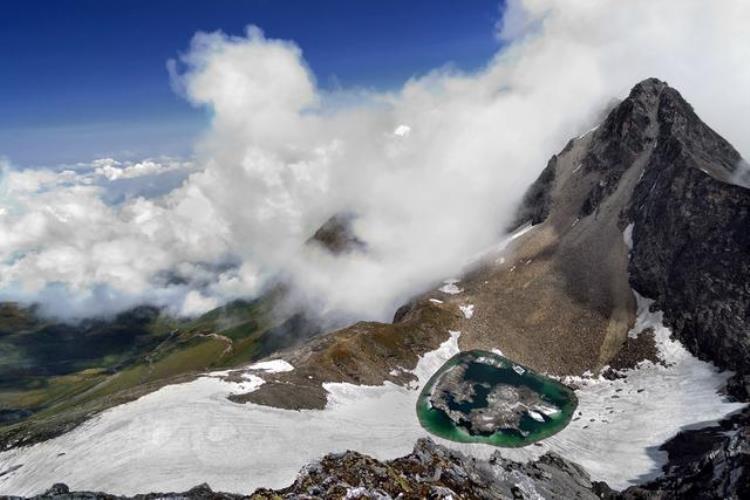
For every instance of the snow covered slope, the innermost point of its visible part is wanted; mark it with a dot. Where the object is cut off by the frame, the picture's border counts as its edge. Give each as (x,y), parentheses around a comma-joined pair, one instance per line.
(185,434)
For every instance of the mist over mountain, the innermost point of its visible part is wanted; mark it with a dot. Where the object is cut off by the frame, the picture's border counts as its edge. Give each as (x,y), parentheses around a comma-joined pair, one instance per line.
(528,280)
(561,296)
(448,150)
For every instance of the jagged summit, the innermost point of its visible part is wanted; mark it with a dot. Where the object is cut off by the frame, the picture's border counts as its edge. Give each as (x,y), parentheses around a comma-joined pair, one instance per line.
(655,111)
(653,115)
(655,165)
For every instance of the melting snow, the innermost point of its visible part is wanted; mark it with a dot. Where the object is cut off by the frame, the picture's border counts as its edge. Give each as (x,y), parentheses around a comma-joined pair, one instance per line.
(536,416)
(450,287)
(273,366)
(632,416)
(499,247)
(588,132)
(185,434)
(436,301)
(627,235)
(520,231)
(468,310)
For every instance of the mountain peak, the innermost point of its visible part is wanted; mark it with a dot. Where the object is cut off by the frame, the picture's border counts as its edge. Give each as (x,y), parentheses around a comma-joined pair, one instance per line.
(655,167)
(675,120)
(650,87)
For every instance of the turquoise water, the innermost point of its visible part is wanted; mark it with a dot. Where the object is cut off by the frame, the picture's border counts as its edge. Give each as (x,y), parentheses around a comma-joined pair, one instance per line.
(485,376)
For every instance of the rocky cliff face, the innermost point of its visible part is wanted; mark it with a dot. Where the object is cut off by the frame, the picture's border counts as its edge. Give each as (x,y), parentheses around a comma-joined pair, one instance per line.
(430,471)
(691,237)
(706,463)
(668,174)
(689,228)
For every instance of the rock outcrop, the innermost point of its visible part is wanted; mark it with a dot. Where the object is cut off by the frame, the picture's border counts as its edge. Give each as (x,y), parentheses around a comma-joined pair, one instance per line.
(691,237)
(710,463)
(689,232)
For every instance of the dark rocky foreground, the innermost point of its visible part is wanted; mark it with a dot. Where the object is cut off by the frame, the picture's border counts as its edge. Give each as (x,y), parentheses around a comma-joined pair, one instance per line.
(653,164)
(712,463)
(430,471)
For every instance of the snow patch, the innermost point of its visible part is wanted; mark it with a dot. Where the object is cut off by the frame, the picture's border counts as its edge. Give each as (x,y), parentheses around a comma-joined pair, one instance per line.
(402,130)
(619,424)
(251,382)
(450,287)
(189,433)
(500,247)
(467,310)
(272,366)
(627,235)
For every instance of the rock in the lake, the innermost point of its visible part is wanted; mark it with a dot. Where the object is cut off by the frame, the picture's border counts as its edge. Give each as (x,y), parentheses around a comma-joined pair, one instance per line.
(506,404)
(479,396)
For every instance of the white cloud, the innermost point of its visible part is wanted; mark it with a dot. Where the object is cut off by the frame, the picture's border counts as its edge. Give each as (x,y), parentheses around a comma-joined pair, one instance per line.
(112,169)
(281,156)
(197,303)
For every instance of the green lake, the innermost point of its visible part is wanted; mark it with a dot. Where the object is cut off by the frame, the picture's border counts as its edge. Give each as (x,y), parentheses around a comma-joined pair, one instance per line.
(482,397)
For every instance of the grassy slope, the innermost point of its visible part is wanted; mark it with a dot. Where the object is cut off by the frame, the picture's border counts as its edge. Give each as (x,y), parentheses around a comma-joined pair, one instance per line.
(53,376)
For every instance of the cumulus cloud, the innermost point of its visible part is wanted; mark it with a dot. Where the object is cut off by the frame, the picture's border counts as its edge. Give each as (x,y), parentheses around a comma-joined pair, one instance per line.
(433,169)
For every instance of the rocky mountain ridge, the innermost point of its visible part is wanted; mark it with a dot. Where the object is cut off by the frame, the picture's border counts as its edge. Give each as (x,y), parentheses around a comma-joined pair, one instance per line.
(644,201)
(655,174)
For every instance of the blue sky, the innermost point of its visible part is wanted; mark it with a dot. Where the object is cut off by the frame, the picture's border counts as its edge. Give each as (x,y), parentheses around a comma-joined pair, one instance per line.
(85,79)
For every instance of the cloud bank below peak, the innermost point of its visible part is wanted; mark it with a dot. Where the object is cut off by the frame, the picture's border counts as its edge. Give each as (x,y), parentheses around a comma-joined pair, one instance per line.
(434,169)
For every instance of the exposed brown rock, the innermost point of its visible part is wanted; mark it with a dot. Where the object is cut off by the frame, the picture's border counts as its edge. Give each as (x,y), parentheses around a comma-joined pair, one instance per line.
(641,348)
(365,353)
